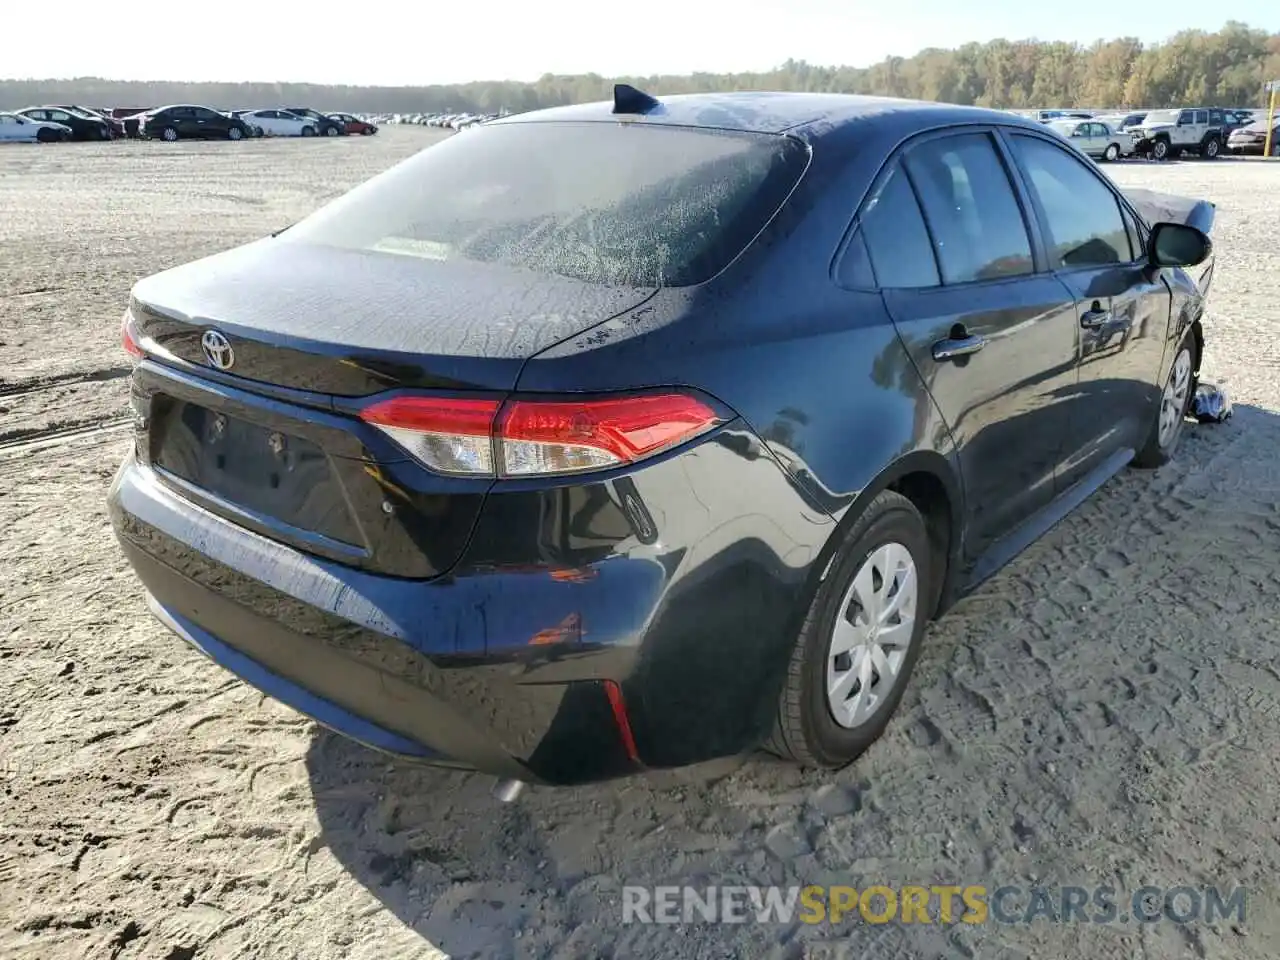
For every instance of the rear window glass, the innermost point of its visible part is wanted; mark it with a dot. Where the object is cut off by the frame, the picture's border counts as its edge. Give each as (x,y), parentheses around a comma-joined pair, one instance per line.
(615,203)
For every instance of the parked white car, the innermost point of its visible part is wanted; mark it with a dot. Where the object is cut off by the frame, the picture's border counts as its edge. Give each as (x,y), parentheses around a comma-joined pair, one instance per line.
(280,123)
(1094,138)
(17,128)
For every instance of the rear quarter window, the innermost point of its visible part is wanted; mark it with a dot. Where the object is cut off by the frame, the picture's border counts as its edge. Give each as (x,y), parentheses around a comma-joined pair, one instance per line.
(617,203)
(891,247)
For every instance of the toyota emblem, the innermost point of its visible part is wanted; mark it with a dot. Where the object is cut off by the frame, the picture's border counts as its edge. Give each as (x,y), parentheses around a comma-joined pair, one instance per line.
(217,350)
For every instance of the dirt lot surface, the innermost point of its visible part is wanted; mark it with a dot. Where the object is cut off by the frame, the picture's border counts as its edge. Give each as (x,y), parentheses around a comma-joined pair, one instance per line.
(1106,711)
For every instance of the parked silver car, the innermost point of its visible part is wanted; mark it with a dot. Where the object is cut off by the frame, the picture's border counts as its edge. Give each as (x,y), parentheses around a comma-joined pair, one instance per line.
(1094,138)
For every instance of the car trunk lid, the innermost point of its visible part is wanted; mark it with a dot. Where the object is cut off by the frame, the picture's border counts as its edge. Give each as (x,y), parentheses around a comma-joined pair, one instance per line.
(273,442)
(352,322)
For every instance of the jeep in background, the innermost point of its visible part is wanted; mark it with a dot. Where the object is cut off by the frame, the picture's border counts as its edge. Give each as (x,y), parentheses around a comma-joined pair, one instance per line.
(1171,133)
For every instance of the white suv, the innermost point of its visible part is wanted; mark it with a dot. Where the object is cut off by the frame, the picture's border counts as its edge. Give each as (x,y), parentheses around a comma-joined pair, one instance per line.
(1169,133)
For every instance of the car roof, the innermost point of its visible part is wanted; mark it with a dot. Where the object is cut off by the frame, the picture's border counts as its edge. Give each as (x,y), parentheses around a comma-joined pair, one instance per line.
(811,114)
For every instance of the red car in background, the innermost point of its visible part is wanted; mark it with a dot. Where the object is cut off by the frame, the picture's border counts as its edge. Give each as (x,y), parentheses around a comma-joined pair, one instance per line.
(352,124)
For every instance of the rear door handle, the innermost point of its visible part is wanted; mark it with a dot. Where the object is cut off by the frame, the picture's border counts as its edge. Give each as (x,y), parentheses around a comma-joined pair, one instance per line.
(955,347)
(1095,318)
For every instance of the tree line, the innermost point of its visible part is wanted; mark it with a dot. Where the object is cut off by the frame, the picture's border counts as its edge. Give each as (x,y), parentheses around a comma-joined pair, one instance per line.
(1224,68)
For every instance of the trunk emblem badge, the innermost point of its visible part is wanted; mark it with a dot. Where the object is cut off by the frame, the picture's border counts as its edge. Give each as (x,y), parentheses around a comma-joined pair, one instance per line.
(217,350)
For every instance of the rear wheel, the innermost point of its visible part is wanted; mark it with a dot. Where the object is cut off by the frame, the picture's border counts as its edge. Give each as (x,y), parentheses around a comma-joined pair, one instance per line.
(169,133)
(331,131)
(1212,147)
(1175,401)
(859,641)
(1112,153)
(234,133)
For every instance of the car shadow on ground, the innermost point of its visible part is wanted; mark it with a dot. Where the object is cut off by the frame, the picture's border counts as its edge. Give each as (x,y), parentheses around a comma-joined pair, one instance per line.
(1018,756)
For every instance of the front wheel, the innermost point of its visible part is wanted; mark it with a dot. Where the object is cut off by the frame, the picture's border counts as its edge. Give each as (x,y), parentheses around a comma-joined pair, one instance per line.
(308,131)
(1175,401)
(45,135)
(1160,150)
(859,641)
(1112,153)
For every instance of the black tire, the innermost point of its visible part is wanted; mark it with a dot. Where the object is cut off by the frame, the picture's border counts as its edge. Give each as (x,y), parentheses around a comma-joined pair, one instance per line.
(1160,150)
(1112,153)
(1158,451)
(805,730)
(169,134)
(308,131)
(330,131)
(369,131)
(1212,147)
(234,133)
(45,135)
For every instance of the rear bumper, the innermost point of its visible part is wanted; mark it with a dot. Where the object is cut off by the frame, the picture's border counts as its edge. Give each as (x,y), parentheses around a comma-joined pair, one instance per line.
(560,666)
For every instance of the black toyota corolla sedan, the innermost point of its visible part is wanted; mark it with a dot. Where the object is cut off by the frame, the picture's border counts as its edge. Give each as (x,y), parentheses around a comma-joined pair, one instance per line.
(626,435)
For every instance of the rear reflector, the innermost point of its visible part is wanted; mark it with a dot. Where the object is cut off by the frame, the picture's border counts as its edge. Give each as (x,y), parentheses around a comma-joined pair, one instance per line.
(529,438)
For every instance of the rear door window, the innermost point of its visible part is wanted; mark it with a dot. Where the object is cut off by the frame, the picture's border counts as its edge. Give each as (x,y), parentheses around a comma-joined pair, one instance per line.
(1082,215)
(615,203)
(892,240)
(978,229)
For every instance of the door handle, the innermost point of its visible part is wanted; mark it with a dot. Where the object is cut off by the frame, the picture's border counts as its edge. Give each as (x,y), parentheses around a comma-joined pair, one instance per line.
(1095,318)
(955,347)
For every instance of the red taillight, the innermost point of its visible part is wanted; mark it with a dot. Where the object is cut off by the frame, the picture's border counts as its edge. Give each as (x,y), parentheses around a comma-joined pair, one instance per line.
(528,438)
(448,435)
(129,337)
(565,437)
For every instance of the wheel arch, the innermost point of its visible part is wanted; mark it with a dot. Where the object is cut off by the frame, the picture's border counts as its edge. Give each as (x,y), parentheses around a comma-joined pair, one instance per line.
(931,482)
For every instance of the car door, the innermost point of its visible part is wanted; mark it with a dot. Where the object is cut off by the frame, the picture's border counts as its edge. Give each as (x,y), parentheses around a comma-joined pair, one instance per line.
(992,336)
(179,118)
(1088,141)
(1094,247)
(67,120)
(212,123)
(9,127)
(1100,137)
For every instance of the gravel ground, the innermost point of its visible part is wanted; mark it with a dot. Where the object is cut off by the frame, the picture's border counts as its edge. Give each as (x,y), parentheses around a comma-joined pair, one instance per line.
(1104,711)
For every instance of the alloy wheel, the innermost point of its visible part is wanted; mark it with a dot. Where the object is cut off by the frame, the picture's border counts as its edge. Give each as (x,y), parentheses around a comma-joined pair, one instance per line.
(1173,402)
(872,635)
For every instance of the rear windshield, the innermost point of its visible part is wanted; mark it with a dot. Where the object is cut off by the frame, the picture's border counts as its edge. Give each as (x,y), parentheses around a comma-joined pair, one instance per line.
(616,203)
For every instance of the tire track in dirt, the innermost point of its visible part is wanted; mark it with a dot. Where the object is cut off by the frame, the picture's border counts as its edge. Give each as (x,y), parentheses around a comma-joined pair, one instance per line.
(37,384)
(21,443)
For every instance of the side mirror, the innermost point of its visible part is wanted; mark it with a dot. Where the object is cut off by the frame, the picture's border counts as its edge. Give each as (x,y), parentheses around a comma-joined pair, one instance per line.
(1178,245)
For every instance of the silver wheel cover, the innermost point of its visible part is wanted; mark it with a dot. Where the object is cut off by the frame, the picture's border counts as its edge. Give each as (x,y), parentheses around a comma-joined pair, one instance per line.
(872,636)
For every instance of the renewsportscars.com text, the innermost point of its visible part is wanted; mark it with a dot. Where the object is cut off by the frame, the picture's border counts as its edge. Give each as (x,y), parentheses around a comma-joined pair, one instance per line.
(972,904)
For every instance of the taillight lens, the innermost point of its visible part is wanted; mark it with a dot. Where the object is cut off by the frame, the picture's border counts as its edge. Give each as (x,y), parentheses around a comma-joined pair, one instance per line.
(528,438)
(447,435)
(129,337)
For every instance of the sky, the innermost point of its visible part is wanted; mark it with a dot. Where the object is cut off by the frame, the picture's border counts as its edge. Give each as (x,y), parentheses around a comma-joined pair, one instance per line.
(402,42)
